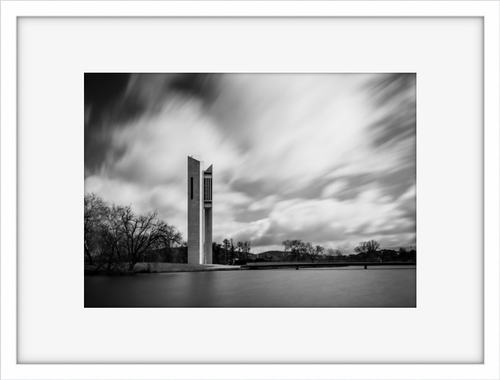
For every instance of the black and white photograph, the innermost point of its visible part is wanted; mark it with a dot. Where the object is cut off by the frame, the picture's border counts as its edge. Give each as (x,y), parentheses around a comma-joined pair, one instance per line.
(246,167)
(250,190)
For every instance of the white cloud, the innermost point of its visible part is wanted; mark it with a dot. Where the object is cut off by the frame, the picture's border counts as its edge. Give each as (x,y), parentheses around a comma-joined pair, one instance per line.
(285,132)
(298,126)
(299,218)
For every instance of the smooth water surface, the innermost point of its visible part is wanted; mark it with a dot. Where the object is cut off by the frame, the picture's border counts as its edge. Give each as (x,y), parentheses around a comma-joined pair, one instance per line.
(329,287)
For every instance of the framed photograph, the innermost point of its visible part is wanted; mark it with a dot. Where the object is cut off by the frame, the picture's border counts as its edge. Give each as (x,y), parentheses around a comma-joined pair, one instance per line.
(298,162)
(283,159)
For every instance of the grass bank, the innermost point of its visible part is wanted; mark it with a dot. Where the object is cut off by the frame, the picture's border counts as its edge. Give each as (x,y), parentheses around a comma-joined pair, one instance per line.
(160,268)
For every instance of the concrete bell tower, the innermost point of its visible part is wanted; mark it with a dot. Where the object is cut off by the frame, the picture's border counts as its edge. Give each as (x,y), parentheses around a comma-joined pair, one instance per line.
(199,194)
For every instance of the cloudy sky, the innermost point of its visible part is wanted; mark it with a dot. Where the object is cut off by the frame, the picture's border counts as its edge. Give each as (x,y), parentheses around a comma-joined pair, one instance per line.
(325,158)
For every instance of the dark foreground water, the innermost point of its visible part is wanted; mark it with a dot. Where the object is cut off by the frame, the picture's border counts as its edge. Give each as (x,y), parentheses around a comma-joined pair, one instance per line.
(326,287)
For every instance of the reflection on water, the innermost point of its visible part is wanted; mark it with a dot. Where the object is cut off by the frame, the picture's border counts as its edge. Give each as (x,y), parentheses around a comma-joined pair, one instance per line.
(332,287)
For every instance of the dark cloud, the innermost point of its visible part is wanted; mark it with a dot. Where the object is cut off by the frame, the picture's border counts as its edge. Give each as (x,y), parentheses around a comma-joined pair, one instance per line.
(400,229)
(393,183)
(290,189)
(203,86)
(311,191)
(114,99)
(322,158)
(396,183)
(274,235)
(108,100)
(253,188)
(356,185)
(265,240)
(102,92)
(247,216)
(396,92)
(408,208)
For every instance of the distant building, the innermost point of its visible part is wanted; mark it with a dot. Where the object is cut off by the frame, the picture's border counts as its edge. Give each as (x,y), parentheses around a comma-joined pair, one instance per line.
(199,213)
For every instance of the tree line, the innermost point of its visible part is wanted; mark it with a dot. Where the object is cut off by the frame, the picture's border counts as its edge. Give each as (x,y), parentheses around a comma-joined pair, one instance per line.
(298,250)
(230,252)
(116,238)
(370,251)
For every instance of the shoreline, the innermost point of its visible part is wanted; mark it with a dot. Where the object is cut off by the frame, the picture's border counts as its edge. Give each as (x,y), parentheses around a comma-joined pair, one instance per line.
(156,268)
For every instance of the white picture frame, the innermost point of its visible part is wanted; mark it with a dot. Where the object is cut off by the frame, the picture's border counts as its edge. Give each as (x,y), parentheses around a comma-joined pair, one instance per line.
(13,217)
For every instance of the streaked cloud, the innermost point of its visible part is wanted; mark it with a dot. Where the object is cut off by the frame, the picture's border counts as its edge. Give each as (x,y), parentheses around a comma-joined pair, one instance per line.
(318,157)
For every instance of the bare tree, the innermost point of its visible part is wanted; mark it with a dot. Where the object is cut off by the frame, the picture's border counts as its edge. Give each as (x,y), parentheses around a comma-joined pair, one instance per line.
(239,246)
(361,248)
(116,235)
(287,247)
(111,239)
(372,246)
(95,210)
(295,249)
(143,233)
(367,248)
(300,250)
(310,251)
(246,249)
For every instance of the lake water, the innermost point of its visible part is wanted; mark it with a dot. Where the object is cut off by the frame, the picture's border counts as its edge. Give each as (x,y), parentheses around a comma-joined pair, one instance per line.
(325,287)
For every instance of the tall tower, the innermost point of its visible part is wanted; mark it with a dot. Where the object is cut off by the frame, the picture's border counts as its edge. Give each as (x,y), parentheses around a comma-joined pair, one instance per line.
(199,213)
